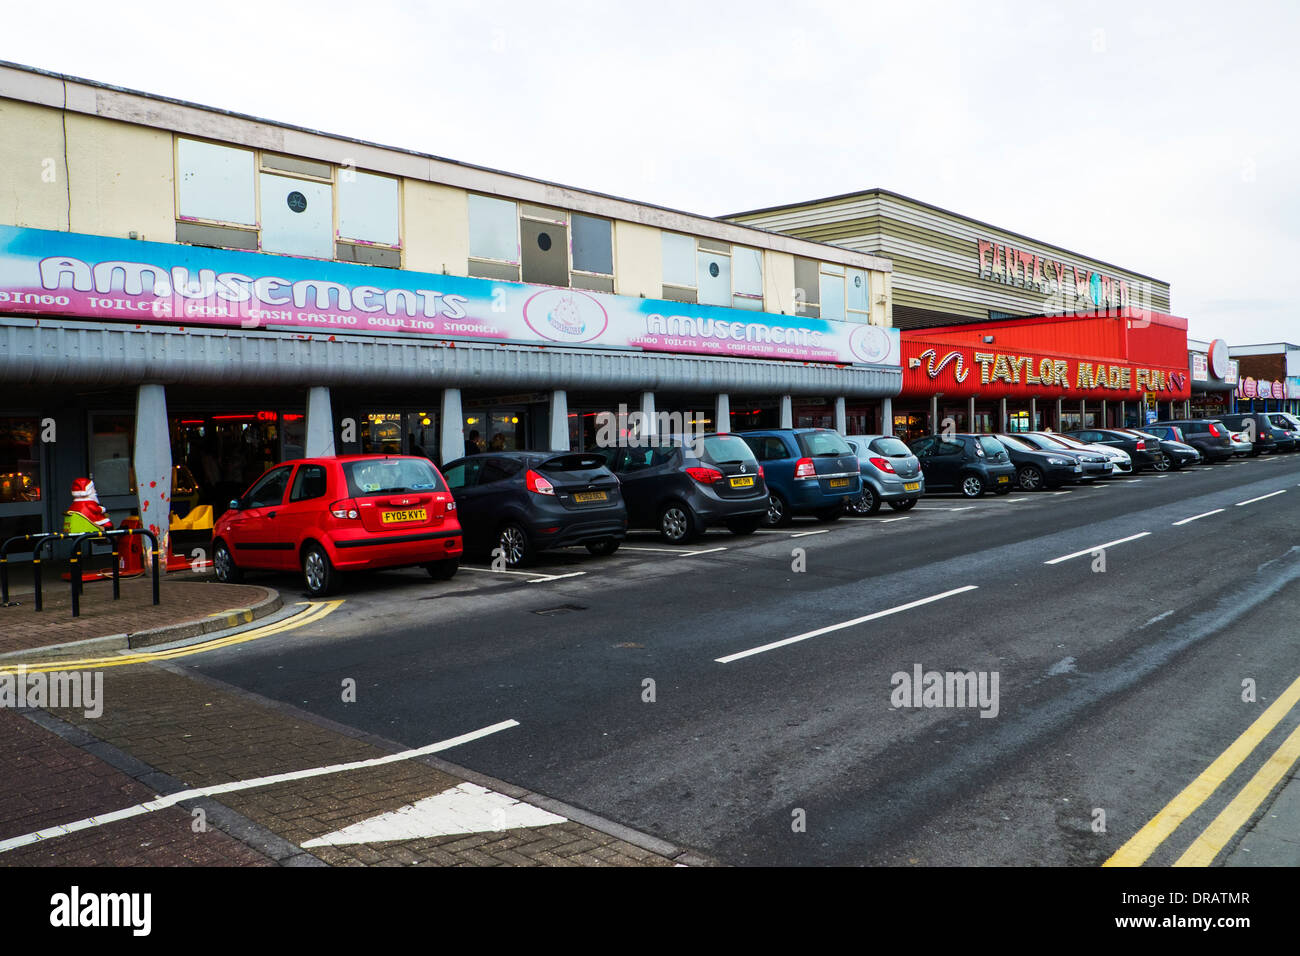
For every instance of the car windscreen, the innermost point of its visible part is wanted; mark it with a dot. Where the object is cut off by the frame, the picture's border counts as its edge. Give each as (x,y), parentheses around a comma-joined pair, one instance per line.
(726,450)
(822,444)
(1012,442)
(390,476)
(891,447)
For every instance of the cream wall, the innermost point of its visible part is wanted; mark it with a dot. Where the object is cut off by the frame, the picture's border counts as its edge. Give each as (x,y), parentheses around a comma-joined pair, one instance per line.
(435,227)
(638,260)
(33,183)
(122,179)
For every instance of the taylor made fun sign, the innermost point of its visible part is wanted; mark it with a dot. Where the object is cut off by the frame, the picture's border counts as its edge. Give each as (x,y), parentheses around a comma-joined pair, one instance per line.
(94,277)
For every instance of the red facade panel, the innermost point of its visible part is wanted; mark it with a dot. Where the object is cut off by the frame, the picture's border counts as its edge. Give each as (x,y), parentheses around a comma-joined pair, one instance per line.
(1113,356)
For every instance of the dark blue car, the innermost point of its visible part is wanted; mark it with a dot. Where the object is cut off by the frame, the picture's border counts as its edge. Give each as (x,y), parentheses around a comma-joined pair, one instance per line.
(809,471)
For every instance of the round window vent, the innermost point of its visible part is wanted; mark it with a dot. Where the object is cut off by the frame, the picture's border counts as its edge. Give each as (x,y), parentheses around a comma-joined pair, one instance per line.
(713,269)
(297,201)
(543,242)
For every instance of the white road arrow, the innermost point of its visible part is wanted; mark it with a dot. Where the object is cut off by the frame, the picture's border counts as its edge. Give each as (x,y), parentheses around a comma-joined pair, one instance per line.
(466,808)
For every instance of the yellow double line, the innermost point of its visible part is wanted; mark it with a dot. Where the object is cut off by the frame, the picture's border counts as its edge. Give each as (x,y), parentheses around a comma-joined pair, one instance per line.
(1215,837)
(315,610)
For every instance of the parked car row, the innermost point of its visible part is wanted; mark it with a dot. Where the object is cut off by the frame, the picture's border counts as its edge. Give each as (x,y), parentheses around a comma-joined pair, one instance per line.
(327,516)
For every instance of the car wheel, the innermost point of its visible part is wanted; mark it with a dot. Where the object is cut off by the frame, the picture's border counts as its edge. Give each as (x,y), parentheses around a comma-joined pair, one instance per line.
(904,505)
(744,525)
(443,570)
(1031,478)
(830,514)
(677,524)
(778,512)
(223,562)
(867,503)
(318,573)
(603,549)
(1162,465)
(972,486)
(512,542)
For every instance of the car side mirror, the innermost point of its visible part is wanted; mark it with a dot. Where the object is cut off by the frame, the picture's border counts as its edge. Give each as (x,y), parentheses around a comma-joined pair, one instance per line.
(234,504)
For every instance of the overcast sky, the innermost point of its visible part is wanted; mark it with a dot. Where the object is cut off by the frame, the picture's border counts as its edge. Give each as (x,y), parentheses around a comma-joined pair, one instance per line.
(1159,137)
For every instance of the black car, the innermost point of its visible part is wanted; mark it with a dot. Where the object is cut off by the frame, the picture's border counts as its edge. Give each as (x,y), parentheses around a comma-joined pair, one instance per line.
(1093,463)
(1259,430)
(523,502)
(682,485)
(1143,451)
(1037,469)
(1177,453)
(1209,436)
(972,464)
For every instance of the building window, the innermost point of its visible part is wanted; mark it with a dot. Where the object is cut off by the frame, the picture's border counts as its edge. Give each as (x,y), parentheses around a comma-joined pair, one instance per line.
(112,441)
(858,295)
(369,208)
(215,183)
(832,291)
(297,216)
(20,460)
(493,238)
(807,287)
(712,273)
(544,245)
(593,253)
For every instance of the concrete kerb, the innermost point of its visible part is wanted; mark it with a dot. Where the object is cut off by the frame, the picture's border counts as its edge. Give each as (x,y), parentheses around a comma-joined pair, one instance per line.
(172,633)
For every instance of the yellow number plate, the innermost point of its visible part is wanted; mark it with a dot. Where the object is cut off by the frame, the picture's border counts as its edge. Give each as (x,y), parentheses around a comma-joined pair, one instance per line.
(839,482)
(591,496)
(911,486)
(399,517)
(742,482)
(1003,479)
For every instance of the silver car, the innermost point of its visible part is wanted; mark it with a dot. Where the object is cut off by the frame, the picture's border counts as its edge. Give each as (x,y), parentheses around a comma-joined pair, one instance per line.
(1116,456)
(890,474)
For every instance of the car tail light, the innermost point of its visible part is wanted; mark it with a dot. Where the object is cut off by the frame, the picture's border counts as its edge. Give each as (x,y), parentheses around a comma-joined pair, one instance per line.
(537,484)
(883,464)
(804,468)
(1214,430)
(345,508)
(705,476)
(1141,445)
(760,471)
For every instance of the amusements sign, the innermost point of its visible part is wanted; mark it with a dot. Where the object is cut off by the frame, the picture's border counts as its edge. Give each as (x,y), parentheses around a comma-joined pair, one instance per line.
(93,277)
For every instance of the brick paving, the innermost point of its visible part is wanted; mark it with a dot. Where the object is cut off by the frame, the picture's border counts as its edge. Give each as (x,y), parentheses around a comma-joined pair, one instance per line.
(181,601)
(47,780)
(200,734)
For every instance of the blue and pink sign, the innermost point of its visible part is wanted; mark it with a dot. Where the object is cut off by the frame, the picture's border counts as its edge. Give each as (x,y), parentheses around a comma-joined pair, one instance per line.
(92,277)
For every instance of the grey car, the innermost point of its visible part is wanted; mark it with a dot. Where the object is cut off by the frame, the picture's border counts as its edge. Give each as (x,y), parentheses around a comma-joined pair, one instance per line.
(890,474)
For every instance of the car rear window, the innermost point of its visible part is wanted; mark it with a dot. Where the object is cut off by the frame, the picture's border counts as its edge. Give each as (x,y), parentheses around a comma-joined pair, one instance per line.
(1012,442)
(390,476)
(992,446)
(726,449)
(575,462)
(823,444)
(891,447)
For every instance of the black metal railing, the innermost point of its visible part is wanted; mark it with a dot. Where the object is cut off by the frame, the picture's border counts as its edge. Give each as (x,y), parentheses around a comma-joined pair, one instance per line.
(74,561)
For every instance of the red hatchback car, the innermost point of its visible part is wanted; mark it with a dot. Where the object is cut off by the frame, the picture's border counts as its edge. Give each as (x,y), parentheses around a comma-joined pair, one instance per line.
(347,513)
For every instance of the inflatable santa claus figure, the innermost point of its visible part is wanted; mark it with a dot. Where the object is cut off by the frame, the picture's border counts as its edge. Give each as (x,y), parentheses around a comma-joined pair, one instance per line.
(85,504)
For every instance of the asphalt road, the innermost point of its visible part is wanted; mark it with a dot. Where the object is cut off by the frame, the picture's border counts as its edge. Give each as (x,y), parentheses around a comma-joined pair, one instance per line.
(1116,687)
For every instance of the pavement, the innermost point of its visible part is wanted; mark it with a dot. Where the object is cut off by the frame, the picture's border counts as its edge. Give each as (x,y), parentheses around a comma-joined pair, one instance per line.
(188,605)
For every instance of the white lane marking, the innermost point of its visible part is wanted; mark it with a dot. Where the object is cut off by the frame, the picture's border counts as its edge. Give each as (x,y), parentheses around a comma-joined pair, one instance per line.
(887,520)
(174,798)
(1158,617)
(839,627)
(1007,501)
(1197,517)
(1058,492)
(555,577)
(934,508)
(708,551)
(1249,501)
(466,808)
(1097,547)
(804,534)
(537,577)
(628,547)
